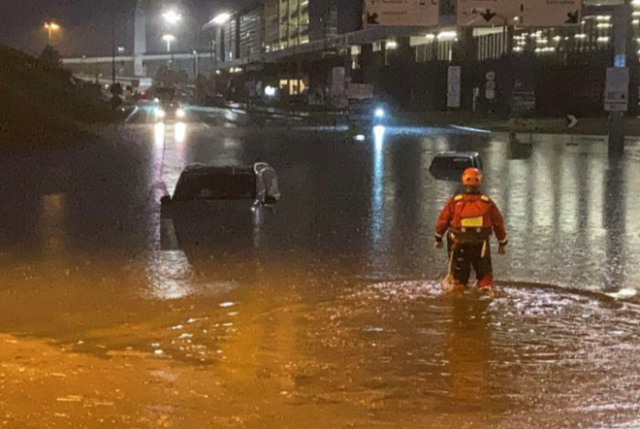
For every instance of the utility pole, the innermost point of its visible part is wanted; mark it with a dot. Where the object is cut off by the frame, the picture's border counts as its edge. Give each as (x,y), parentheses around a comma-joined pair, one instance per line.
(196,65)
(621,23)
(215,61)
(113,43)
(140,38)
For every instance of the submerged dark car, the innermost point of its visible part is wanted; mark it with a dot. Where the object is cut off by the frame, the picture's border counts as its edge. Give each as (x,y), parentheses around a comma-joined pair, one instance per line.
(222,209)
(450,165)
(198,182)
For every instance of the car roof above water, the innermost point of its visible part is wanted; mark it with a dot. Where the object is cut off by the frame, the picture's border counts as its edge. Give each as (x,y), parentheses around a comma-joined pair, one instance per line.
(453,154)
(224,170)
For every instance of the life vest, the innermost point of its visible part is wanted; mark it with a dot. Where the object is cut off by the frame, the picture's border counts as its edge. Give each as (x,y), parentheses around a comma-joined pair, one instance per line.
(470,221)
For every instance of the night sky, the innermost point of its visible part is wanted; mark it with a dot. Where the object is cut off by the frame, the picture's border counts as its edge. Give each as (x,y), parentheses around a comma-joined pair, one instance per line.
(87,23)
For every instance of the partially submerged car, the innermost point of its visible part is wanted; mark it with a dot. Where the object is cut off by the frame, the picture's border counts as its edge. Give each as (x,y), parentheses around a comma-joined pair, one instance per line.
(200,182)
(221,210)
(449,166)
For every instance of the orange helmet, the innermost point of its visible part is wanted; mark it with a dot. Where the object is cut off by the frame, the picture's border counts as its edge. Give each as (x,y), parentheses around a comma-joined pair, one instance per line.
(472,177)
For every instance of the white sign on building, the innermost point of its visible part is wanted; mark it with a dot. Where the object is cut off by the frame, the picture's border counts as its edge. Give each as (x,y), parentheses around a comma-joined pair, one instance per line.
(523,13)
(399,13)
(616,96)
(550,13)
(337,91)
(454,76)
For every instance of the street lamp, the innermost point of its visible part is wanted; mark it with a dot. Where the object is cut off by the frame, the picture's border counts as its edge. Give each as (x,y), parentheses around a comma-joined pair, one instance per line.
(51,28)
(169,38)
(172,17)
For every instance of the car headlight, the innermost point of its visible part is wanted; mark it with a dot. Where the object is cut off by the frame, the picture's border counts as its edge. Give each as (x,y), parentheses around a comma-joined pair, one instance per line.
(160,113)
(379,113)
(180,113)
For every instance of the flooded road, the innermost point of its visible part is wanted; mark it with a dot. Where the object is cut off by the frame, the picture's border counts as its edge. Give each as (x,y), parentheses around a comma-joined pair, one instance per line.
(330,315)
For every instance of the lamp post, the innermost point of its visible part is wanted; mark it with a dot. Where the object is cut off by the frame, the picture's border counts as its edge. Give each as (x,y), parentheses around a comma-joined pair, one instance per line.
(172,18)
(621,23)
(113,44)
(51,28)
(169,38)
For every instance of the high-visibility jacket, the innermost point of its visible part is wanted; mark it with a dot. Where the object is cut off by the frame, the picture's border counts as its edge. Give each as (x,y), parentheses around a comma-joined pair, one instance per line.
(471,218)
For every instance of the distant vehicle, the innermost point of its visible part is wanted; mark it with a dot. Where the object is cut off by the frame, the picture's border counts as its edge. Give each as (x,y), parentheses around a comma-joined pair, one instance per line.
(166,106)
(170,112)
(165,96)
(363,111)
(198,182)
(368,112)
(450,165)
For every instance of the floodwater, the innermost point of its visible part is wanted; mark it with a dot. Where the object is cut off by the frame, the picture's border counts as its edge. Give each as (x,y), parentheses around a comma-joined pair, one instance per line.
(328,312)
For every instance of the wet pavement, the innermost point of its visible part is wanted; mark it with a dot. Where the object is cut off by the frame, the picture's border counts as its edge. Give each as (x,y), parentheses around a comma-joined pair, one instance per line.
(327,313)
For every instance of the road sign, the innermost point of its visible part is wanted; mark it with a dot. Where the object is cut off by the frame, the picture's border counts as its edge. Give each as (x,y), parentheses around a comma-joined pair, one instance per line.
(616,97)
(454,84)
(402,13)
(523,13)
(572,121)
(486,13)
(550,13)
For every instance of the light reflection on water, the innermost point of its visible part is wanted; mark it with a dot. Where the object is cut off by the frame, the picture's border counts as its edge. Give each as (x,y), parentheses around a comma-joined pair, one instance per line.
(170,275)
(377,198)
(159,134)
(52,226)
(180,133)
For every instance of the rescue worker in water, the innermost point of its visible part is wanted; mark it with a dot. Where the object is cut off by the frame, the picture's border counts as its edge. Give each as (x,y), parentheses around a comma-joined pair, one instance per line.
(470,219)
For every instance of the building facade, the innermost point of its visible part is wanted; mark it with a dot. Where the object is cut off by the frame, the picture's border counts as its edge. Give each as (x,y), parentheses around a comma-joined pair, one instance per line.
(300,41)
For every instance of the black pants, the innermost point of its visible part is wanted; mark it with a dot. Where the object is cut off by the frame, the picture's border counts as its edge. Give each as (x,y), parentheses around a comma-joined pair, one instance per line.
(468,255)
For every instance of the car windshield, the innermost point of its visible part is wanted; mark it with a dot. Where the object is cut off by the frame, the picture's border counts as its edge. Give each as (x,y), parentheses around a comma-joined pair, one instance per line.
(207,183)
(230,187)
